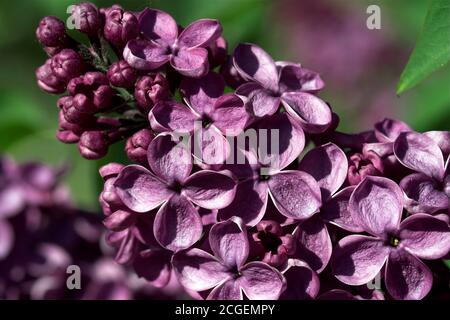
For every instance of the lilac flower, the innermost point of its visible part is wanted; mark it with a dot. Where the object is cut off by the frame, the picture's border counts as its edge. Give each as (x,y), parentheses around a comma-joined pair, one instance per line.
(377,204)
(91,90)
(161,44)
(273,83)
(363,165)
(171,187)
(120,74)
(120,26)
(87,18)
(428,190)
(225,272)
(51,32)
(137,146)
(150,90)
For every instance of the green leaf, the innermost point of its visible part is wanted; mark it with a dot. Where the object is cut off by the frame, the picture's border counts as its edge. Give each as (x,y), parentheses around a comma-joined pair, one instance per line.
(447,263)
(432,49)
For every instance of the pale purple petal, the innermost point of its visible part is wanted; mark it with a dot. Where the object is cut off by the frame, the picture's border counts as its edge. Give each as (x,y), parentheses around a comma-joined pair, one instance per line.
(382,149)
(259,101)
(313,113)
(442,139)
(358,259)
(154,266)
(200,33)
(140,190)
(376,205)
(425,236)
(230,115)
(261,282)
(229,242)
(249,204)
(158,26)
(295,194)
(423,194)
(6,239)
(198,270)
(172,116)
(119,220)
(229,290)
(170,160)
(301,282)
(210,146)
(296,78)
(328,165)
(255,64)
(336,211)
(313,244)
(406,277)
(420,153)
(210,189)
(145,55)
(389,129)
(191,62)
(12,199)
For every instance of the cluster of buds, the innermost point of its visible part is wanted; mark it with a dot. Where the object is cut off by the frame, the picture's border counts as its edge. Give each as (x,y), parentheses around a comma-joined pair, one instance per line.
(254,193)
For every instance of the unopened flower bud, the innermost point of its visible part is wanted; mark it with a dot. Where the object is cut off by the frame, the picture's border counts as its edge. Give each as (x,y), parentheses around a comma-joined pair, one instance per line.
(363,165)
(86,18)
(120,26)
(93,145)
(137,146)
(51,32)
(67,65)
(120,74)
(151,90)
(48,81)
(94,86)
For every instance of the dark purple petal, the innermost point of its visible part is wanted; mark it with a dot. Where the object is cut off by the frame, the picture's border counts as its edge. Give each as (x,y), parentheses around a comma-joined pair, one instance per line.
(198,270)
(229,290)
(389,129)
(6,239)
(158,26)
(200,33)
(154,266)
(261,282)
(210,189)
(295,78)
(191,62)
(301,282)
(328,165)
(376,205)
(253,63)
(295,194)
(127,250)
(169,159)
(202,93)
(145,55)
(358,259)
(140,190)
(336,211)
(259,101)
(407,278)
(420,153)
(423,194)
(425,236)
(119,220)
(314,244)
(229,242)
(230,115)
(249,204)
(172,116)
(178,224)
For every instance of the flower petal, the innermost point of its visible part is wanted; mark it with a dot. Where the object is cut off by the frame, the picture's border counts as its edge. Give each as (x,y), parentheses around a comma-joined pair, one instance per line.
(202,93)
(210,189)
(301,281)
(210,146)
(229,290)
(376,205)
(6,239)
(229,242)
(296,78)
(442,139)
(172,116)
(178,225)
(259,101)
(358,259)
(423,194)
(425,236)
(140,190)
(230,115)
(154,266)
(420,153)
(200,33)
(158,26)
(328,165)
(249,204)
(255,64)
(12,198)
(313,114)
(145,55)
(295,194)
(313,244)
(261,282)
(198,270)
(407,278)
(191,62)
(389,129)
(169,159)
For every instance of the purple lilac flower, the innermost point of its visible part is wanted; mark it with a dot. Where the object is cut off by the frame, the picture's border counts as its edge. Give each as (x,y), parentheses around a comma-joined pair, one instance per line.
(120,74)
(377,204)
(120,26)
(87,18)
(161,44)
(150,90)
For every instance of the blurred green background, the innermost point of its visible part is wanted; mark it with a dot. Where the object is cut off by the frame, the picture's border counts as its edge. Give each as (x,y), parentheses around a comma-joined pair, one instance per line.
(360,67)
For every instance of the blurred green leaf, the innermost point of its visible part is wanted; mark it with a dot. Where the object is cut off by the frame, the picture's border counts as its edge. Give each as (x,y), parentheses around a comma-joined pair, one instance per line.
(447,263)
(432,49)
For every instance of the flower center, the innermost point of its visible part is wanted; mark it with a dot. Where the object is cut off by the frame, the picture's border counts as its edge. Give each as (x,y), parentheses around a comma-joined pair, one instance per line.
(176,187)
(206,121)
(270,241)
(394,241)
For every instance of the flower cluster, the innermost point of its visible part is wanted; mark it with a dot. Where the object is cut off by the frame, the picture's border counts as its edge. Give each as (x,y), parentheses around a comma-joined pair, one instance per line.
(250,192)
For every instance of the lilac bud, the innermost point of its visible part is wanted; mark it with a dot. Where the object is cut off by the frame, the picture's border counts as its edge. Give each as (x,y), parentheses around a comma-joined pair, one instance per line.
(137,146)
(87,18)
(218,52)
(48,81)
(363,165)
(120,26)
(230,74)
(151,90)
(67,136)
(94,86)
(120,74)
(67,65)
(51,32)
(77,110)
(93,145)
